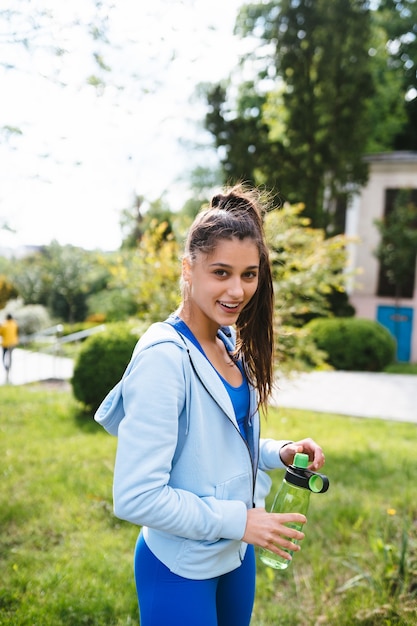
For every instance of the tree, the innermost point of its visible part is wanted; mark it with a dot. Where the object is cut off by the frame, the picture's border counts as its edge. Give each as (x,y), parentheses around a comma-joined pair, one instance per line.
(149,274)
(61,278)
(136,220)
(30,277)
(387,116)
(309,103)
(242,136)
(399,19)
(397,249)
(71,274)
(131,222)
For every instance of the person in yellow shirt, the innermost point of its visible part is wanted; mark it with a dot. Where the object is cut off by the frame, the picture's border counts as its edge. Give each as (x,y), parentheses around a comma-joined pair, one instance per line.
(9,332)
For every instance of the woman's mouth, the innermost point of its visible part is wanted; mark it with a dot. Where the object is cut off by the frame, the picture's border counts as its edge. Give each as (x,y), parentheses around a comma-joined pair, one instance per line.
(232,308)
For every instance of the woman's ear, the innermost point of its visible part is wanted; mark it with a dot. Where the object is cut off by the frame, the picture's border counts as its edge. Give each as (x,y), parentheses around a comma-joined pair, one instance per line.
(186,270)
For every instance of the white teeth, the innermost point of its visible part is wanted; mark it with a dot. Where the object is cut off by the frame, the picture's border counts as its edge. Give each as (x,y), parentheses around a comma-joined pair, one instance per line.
(229,306)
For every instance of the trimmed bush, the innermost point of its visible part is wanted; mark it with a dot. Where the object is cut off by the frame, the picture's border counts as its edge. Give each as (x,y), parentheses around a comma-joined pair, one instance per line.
(353,344)
(101,362)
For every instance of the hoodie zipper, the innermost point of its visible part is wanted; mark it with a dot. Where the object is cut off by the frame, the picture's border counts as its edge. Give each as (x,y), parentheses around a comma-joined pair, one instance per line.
(253,469)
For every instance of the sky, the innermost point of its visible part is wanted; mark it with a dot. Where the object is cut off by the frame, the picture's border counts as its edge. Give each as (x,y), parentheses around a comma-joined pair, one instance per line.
(81,153)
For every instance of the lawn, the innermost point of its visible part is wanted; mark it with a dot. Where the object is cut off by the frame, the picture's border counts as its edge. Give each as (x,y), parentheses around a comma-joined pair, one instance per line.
(65,560)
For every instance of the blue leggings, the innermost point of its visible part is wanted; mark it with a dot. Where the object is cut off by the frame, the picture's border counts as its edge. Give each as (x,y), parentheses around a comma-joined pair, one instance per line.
(166,599)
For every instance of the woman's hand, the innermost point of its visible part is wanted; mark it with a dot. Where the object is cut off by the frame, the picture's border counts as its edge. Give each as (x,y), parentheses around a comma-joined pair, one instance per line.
(267,530)
(306,446)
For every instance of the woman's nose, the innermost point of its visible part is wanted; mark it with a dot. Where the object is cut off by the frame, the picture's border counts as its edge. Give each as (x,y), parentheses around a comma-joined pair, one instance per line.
(235,288)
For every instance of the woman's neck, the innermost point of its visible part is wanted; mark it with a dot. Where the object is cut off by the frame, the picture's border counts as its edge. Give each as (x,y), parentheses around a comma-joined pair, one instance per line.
(204,331)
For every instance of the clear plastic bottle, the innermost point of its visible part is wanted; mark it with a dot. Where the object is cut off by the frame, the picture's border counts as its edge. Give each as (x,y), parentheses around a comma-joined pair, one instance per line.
(294,497)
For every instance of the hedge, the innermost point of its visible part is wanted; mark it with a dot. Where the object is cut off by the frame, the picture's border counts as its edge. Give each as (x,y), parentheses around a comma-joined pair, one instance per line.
(353,344)
(101,363)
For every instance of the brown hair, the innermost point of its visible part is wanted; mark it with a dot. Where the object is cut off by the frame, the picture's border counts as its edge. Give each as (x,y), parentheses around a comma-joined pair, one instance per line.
(238,214)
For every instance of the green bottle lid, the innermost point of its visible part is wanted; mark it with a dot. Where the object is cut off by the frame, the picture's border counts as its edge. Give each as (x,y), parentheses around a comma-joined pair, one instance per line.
(300,460)
(298,474)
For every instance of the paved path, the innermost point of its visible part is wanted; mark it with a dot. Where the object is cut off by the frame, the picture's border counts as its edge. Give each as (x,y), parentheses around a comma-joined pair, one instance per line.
(360,394)
(28,367)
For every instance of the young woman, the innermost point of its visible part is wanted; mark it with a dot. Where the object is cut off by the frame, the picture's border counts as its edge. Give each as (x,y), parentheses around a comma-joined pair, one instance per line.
(190,464)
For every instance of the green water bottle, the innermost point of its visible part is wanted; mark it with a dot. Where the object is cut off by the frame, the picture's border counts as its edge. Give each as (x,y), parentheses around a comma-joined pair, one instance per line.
(294,497)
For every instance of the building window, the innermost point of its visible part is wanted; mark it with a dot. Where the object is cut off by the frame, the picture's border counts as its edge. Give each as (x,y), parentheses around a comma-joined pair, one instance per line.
(385,287)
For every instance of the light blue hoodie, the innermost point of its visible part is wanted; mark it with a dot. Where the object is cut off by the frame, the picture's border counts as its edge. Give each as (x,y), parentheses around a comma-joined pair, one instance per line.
(183,471)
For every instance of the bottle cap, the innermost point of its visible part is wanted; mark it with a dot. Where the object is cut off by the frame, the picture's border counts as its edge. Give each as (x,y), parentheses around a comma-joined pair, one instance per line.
(300,460)
(298,474)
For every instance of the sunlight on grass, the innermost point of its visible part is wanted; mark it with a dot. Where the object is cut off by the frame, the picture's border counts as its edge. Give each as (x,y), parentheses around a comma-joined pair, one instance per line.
(65,559)
(353,559)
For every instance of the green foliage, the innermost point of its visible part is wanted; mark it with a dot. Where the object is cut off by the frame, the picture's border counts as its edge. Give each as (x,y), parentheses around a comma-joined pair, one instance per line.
(69,273)
(399,18)
(308,269)
(7,291)
(301,125)
(61,278)
(242,135)
(353,343)
(31,318)
(101,363)
(307,266)
(113,305)
(30,278)
(397,249)
(143,282)
(131,223)
(330,81)
(149,275)
(65,558)
(143,216)
(386,112)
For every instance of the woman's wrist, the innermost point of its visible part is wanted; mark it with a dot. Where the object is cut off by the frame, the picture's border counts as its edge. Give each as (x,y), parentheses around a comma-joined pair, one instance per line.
(280,450)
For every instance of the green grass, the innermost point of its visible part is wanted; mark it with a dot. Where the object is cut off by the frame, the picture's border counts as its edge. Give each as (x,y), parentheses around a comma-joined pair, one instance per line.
(65,559)
(402,368)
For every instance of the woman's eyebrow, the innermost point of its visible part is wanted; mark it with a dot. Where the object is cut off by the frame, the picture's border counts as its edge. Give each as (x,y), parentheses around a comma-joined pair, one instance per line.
(226,265)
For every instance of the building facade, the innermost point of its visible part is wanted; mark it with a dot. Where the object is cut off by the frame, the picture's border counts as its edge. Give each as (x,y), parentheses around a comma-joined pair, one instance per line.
(389,173)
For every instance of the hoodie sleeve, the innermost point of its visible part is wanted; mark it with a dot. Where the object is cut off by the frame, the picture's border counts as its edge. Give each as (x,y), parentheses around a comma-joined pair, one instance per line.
(269,457)
(154,394)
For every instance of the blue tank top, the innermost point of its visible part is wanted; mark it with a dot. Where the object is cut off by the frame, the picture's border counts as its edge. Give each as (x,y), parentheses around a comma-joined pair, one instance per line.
(238,395)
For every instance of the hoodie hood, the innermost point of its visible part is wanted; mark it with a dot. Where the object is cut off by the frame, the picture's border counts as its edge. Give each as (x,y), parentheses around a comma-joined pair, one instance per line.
(111,411)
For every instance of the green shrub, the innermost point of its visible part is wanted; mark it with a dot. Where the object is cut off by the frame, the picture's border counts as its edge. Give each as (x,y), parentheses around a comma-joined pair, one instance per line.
(101,363)
(114,304)
(32,319)
(353,344)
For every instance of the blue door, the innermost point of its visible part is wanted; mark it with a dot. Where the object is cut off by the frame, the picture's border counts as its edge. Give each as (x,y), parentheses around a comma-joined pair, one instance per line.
(399,321)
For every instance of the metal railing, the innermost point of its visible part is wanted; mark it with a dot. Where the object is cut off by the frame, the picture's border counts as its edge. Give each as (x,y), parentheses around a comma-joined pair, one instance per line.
(53,335)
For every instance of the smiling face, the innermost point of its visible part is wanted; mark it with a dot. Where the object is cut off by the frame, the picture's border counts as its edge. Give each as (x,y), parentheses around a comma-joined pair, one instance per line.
(221,284)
